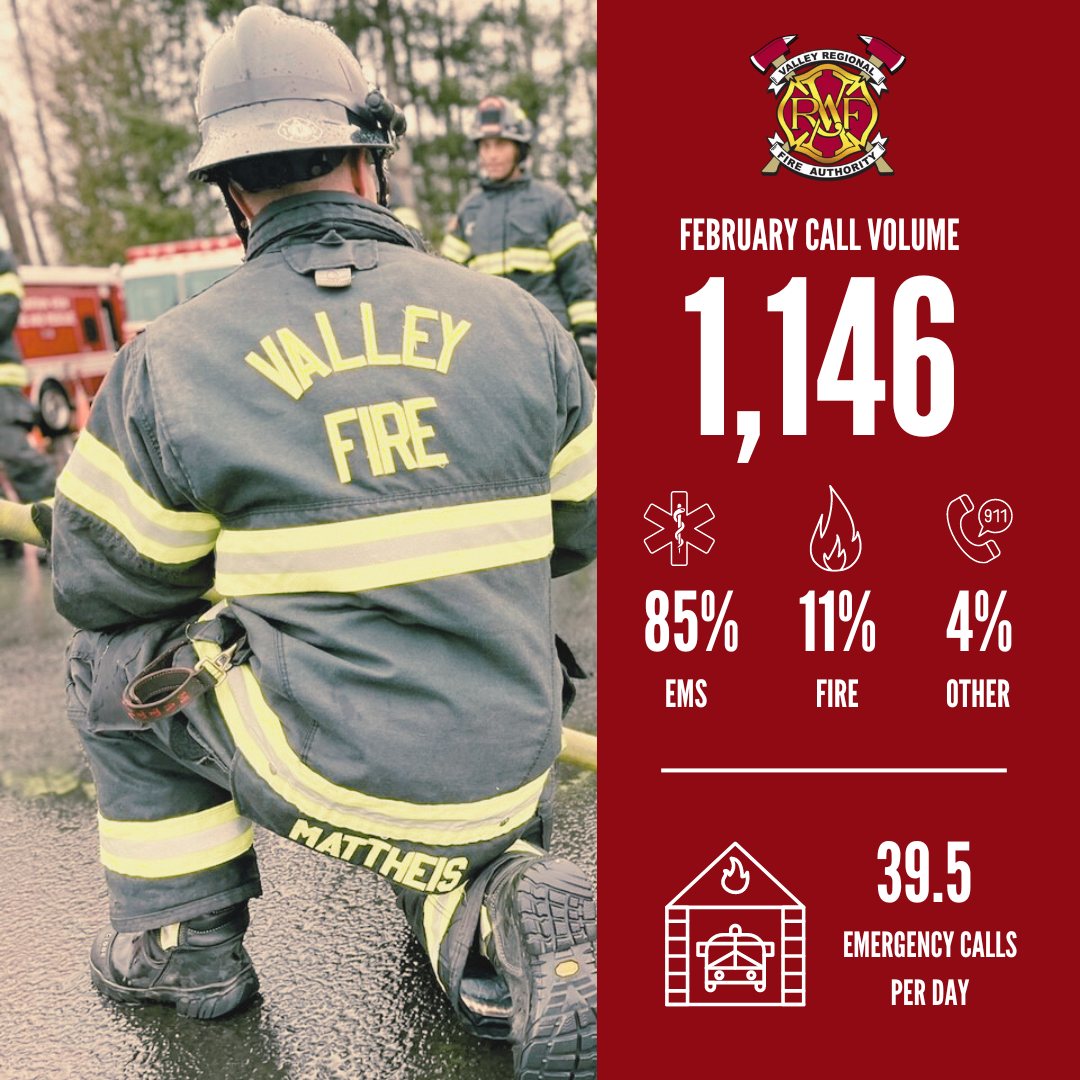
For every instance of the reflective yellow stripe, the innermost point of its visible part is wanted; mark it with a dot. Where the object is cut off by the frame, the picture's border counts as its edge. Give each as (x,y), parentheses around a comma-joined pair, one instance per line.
(260,738)
(573,473)
(96,479)
(10,285)
(13,375)
(408,216)
(376,552)
(569,236)
(438,914)
(529,260)
(583,311)
(455,249)
(185,844)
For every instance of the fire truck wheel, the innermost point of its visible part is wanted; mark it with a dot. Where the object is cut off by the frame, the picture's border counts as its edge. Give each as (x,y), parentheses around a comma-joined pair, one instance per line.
(54,409)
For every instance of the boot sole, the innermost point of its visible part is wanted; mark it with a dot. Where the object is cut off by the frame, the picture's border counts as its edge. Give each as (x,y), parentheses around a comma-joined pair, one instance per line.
(558,919)
(206,1003)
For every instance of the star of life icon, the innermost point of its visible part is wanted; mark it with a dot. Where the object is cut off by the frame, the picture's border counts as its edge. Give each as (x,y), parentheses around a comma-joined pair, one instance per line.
(679,528)
(736,936)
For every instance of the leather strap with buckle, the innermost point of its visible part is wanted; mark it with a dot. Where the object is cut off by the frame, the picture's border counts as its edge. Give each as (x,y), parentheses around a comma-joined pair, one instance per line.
(159,691)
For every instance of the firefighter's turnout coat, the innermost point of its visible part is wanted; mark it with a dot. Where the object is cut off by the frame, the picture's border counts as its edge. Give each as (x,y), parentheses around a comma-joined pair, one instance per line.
(379,460)
(527,230)
(12,372)
(30,473)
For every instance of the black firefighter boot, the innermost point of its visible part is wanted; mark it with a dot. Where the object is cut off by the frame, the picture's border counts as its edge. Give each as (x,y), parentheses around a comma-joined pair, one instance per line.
(543,933)
(200,966)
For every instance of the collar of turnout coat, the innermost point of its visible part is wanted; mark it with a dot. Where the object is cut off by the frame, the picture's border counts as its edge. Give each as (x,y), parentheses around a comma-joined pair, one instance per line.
(505,184)
(304,218)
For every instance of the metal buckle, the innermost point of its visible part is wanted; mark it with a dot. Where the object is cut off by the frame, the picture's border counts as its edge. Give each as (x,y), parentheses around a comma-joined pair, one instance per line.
(218,666)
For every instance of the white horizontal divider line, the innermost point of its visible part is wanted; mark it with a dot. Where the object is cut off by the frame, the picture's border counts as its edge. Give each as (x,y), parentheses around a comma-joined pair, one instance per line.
(889,769)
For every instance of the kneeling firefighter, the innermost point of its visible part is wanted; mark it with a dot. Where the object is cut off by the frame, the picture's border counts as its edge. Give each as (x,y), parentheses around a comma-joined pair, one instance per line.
(332,439)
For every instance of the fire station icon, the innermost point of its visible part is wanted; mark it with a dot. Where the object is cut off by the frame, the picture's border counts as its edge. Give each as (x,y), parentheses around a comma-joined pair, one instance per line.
(735,936)
(827,107)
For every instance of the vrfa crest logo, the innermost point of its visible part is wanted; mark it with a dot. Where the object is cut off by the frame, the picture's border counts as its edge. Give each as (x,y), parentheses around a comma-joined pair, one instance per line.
(827,107)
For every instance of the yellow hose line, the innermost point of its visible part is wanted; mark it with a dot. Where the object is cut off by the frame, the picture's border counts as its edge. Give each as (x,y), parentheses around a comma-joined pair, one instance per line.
(578,748)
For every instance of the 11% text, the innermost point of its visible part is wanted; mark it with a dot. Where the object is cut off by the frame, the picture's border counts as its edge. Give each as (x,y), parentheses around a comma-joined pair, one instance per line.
(838,606)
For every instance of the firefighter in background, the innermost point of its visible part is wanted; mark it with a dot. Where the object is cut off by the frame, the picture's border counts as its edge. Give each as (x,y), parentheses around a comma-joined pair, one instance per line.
(518,227)
(30,472)
(380,460)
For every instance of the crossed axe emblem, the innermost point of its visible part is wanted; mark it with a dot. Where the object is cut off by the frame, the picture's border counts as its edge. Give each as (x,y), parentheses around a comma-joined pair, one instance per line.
(882,55)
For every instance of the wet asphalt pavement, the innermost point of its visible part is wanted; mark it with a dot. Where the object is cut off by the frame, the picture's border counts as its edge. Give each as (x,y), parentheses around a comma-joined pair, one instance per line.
(346,992)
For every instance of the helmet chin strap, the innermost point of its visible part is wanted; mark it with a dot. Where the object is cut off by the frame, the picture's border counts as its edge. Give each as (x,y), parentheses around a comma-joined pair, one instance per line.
(378,159)
(240,223)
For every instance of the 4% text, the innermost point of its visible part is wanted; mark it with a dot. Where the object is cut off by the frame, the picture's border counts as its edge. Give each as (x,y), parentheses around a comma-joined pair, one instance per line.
(960,621)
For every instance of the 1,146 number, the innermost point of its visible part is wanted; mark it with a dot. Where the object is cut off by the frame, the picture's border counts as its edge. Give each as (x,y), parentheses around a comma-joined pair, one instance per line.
(854,324)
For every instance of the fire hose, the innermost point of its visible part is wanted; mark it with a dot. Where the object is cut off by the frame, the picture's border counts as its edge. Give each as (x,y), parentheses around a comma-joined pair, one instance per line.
(17,524)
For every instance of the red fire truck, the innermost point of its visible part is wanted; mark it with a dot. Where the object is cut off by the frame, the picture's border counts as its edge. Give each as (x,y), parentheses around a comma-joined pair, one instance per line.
(159,276)
(68,330)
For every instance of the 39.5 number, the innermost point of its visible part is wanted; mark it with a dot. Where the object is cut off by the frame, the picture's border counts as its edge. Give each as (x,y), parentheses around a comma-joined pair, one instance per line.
(915,860)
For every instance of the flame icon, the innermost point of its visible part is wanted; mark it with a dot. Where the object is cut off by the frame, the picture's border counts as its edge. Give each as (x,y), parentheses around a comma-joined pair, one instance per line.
(735,869)
(835,543)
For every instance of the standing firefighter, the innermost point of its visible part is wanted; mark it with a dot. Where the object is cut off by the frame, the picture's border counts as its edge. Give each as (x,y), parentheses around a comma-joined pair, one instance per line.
(524,229)
(30,472)
(332,439)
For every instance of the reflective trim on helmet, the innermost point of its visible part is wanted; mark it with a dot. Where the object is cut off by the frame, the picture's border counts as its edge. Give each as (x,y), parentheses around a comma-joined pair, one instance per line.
(10,285)
(390,549)
(453,248)
(13,375)
(529,260)
(581,311)
(569,236)
(168,847)
(97,480)
(501,118)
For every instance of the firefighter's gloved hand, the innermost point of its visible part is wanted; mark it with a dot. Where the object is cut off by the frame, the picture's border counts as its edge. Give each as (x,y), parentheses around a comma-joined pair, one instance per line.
(41,514)
(586,344)
(19,523)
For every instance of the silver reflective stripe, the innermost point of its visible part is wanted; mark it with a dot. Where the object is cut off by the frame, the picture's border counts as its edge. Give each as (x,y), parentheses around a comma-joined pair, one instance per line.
(372,552)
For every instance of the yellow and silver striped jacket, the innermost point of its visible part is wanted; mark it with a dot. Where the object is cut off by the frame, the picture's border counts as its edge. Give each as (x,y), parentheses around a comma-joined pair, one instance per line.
(527,230)
(12,371)
(379,459)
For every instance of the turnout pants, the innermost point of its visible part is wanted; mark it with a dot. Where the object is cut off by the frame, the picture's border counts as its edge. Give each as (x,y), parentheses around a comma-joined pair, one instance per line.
(176,802)
(30,472)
